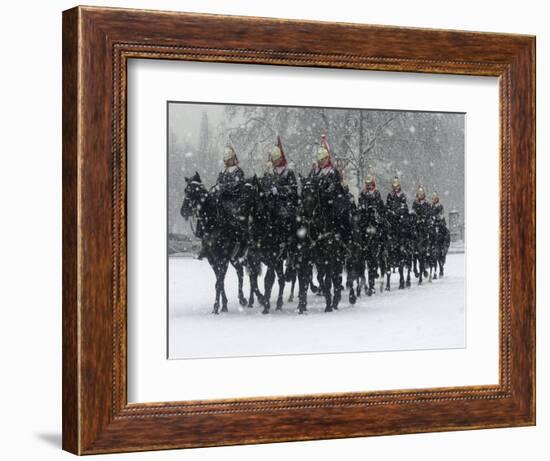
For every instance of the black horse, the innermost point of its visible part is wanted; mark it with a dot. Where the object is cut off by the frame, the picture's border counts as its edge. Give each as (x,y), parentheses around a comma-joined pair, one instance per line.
(422,247)
(440,240)
(221,242)
(328,247)
(356,259)
(373,236)
(265,244)
(402,250)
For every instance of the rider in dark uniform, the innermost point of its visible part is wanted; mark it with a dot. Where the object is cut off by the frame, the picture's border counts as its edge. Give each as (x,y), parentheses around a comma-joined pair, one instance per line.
(331,193)
(437,207)
(423,217)
(422,208)
(229,195)
(370,198)
(284,192)
(396,204)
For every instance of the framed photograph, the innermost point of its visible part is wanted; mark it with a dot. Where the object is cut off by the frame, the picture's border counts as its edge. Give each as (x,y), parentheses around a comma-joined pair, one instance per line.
(281,230)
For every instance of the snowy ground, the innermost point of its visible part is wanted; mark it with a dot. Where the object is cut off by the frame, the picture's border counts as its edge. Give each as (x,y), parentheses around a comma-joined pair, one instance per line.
(431,316)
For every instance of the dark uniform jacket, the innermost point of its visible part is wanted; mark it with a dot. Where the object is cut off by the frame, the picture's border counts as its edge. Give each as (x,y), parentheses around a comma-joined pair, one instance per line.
(229,188)
(334,202)
(372,200)
(284,189)
(437,210)
(397,209)
(423,212)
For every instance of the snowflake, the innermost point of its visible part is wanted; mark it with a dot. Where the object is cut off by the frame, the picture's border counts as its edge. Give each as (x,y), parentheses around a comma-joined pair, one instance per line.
(412,129)
(301,233)
(189,154)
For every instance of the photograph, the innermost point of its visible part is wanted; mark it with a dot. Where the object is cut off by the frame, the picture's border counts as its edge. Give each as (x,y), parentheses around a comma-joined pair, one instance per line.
(313,230)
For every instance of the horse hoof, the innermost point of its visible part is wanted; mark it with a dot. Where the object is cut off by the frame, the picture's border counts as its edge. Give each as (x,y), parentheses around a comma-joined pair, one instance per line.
(251,304)
(435,277)
(224,309)
(265,311)
(387,288)
(408,284)
(290,299)
(352,300)
(328,309)
(401,286)
(242,301)
(426,274)
(215,311)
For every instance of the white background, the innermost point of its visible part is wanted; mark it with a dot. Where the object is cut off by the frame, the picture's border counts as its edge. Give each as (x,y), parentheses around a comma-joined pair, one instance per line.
(30,243)
(153,378)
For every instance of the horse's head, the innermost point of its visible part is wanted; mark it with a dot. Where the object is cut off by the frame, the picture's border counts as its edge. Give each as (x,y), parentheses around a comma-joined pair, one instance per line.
(194,195)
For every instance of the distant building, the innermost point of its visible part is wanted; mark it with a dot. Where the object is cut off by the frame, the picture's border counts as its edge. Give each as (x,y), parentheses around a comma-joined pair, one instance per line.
(455,226)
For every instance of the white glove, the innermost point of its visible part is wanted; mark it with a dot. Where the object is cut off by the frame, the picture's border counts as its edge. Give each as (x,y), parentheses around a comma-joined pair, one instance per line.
(274,190)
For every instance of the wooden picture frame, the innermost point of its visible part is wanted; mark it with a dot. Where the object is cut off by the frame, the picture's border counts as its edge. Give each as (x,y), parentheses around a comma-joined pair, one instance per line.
(97,43)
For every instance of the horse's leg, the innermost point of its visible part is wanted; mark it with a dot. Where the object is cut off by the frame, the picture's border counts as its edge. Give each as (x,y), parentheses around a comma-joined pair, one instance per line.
(415,264)
(218,290)
(292,286)
(337,284)
(281,280)
(409,263)
(303,285)
(222,280)
(253,281)
(435,263)
(321,275)
(354,281)
(268,285)
(240,276)
(401,276)
(327,282)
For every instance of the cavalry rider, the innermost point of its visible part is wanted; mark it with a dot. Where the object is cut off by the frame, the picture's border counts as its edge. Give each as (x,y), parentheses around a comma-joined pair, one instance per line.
(284,192)
(396,204)
(437,207)
(332,194)
(421,207)
(370,198)
(228,192)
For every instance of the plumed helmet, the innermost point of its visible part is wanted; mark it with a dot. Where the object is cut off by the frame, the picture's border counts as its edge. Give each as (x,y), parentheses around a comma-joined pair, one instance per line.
(369,179)
(268,166)
(322,154)
(275,154)
(435,196)
(228,153)
(420,192)
(396,183)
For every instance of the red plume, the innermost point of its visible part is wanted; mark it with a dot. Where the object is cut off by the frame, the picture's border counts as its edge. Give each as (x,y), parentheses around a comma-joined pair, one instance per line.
(280,146)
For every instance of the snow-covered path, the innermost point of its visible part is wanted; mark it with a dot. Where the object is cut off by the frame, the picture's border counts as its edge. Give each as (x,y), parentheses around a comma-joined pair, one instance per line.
(431,316)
